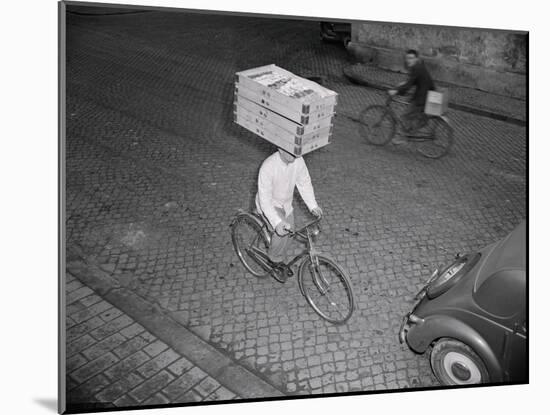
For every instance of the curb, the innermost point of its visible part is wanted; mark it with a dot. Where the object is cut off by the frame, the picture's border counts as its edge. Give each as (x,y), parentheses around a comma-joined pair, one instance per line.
(460,107)
(221,367)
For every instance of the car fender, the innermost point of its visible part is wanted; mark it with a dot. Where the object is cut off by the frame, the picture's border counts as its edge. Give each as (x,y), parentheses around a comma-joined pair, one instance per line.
(421,335)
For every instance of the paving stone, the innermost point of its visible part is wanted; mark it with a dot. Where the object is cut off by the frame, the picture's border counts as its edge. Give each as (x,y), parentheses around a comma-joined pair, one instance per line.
(71,385)
(151,386)
(73,285)
(221,394)
(125,401)
(74,308)
(86,327)
(74,362)
(94,367)
(132,331)
(111,327)
(91,311)
(190,396)
(184,383)
(180,366)
(155,348)
(78,294)
(79,344)
(105,345)
(315,383)
(124,367)
(158,399)
(90,300)
(110,314)
(159,362)
(117,389)
(207,386)
(134,344)
(85,392)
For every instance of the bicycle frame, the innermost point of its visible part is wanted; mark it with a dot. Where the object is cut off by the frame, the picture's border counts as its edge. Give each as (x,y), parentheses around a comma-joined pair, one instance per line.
(305,234)
(399,120)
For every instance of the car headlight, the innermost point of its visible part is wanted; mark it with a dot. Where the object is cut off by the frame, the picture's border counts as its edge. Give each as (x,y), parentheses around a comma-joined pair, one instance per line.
(451,275)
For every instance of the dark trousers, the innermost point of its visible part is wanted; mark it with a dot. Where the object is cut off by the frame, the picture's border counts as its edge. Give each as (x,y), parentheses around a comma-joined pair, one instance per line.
(413,116)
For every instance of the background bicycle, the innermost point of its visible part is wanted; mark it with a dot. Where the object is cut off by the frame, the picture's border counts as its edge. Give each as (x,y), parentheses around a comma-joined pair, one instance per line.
(432,134)
(324,284)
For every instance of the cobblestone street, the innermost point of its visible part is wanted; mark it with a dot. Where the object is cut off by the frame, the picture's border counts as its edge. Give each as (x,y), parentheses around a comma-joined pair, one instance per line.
(156,170)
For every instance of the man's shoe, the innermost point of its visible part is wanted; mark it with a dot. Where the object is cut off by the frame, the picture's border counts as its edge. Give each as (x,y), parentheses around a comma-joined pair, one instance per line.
(279,275)
(281,272)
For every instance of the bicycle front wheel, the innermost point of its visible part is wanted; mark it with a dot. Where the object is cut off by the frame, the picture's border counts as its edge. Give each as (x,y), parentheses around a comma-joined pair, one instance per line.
(327,289)
(248,238)
(439,141)
(377,124)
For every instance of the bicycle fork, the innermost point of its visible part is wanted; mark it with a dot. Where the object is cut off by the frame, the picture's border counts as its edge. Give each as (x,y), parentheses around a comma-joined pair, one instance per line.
(318,278)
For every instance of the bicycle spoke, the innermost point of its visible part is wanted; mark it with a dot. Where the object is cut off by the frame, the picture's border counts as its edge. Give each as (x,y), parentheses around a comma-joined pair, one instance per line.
(332,302)
(377,125)
(327,290)
(440,141)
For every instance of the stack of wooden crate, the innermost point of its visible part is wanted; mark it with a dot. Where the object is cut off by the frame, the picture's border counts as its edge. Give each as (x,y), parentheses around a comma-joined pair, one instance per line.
(293,113)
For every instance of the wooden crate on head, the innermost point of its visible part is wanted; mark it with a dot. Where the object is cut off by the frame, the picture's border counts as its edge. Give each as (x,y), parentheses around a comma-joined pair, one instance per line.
(293,113)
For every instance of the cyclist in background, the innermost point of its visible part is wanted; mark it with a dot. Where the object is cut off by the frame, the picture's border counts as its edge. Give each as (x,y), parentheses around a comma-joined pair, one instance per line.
(420,78)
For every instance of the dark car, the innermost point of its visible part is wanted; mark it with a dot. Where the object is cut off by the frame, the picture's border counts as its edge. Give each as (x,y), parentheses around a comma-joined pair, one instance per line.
(473,314)
(336,31)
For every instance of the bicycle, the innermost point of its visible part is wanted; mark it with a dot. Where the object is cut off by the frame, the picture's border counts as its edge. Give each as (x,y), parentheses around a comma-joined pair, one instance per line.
(323,283)
(433,133)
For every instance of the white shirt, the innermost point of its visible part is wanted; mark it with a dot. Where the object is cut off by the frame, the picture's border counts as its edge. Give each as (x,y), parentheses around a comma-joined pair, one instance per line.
(276,182)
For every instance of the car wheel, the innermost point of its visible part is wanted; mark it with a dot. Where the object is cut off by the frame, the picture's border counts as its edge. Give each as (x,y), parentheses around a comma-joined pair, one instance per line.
(455,363)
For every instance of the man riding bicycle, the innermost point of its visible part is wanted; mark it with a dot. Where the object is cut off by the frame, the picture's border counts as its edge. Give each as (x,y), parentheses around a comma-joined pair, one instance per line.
(279,174)
(420,78)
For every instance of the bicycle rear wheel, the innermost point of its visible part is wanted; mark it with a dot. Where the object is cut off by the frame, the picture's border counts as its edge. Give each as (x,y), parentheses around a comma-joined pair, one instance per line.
(440,139)
(327,289)
(247,234)
(377,124)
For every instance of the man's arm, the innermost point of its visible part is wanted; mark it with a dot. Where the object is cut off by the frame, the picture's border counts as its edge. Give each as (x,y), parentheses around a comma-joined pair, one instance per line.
(303,183)
(265,196)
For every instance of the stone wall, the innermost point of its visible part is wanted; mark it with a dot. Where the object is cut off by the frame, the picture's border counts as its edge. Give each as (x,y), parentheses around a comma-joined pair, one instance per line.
(490,60)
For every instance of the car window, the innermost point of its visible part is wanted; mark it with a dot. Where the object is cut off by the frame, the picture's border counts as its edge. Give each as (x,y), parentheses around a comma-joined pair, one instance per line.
(503,293)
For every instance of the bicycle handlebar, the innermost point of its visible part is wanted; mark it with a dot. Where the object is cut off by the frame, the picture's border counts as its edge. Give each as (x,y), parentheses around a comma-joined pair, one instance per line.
(303,228)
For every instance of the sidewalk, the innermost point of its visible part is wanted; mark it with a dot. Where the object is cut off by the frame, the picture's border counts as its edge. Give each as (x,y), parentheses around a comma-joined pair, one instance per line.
(112,361)
(461,98)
